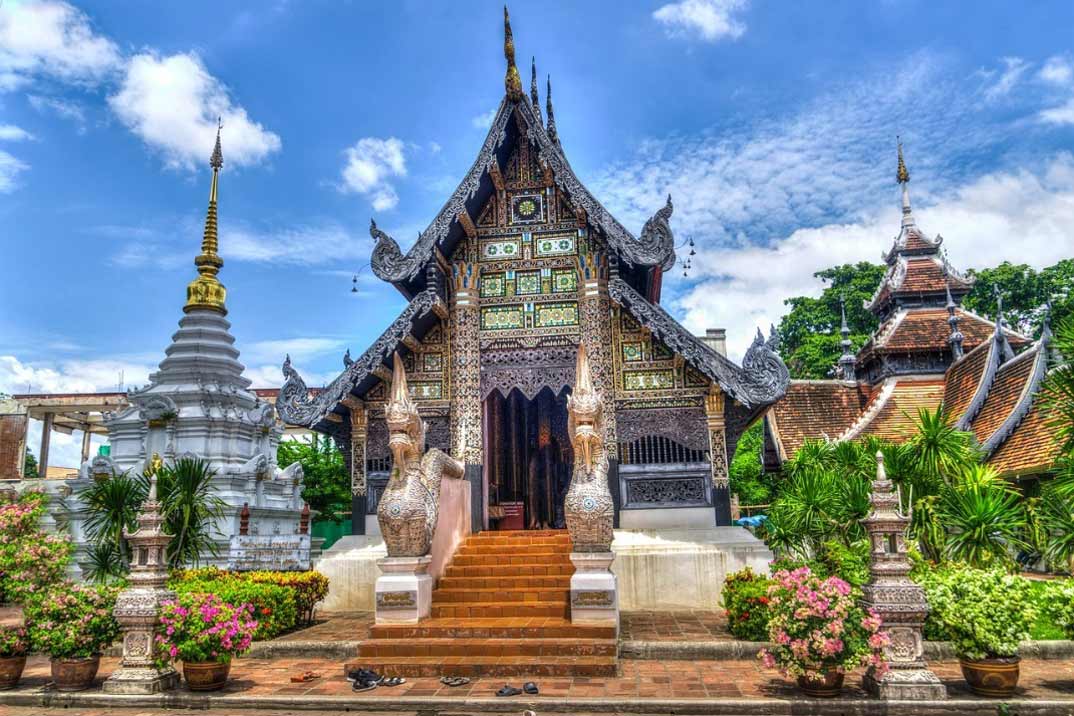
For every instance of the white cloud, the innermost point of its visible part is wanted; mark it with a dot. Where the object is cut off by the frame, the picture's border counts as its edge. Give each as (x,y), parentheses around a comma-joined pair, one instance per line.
(484,121)
(1019,216)
(172,103)
(11,133)
(52,39)
(1063,114)
(304,244)
(299,349)
(65,108)
(10,168)
(1013,70)
(710,20)
(1058,70)
(371,162)
(70,376)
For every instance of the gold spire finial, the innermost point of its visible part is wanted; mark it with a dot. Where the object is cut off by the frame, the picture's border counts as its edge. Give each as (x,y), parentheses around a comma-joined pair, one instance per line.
(902,175)
(206,291)
(512,81)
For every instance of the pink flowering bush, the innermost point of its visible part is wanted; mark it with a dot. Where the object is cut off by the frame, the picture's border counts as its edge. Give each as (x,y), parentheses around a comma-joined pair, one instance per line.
(73,621)
(30,560)
(13,641)
(199,627)
(816,627)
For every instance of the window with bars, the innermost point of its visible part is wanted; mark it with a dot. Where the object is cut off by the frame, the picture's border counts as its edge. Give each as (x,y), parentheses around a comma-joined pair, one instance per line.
(658,450)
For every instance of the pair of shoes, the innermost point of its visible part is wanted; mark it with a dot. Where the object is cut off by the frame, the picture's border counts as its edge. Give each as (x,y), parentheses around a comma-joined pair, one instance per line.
(529,687)
(363,685)
(391,681)
(454,680)
(305,677)
(363,675)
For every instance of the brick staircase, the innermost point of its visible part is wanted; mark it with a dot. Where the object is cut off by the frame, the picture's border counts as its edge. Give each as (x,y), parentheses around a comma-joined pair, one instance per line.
(502,608)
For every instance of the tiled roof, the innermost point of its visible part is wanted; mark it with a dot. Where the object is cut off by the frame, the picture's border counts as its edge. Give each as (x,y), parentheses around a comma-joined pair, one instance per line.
(926,329)
(895,408)
(915,241)
(1004,394)
(964,378)
(1031,448)
(815,409)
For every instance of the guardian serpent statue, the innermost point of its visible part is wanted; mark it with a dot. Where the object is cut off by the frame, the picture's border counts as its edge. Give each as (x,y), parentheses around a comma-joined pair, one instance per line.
(589,501)
(410,504)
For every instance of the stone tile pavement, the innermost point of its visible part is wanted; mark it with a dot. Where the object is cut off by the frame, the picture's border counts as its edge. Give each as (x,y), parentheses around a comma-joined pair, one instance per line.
(638,679)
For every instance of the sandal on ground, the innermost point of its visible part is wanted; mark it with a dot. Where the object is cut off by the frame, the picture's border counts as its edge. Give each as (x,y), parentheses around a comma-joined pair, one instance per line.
(454,680)
(363,685)
(530,688)
(508,690)
(305,677)
(391,681)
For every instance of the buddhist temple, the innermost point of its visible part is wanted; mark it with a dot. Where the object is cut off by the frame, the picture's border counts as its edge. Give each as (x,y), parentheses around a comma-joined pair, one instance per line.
(521,268)
(928,352)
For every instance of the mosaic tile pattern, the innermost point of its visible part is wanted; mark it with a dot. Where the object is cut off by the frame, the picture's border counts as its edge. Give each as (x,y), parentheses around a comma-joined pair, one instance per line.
(498,318)
(555,245)
(493,285)
(556,314)
(648,379)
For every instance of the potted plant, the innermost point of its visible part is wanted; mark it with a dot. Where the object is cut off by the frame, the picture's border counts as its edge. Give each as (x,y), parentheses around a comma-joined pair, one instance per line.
(13,645)
(985,614)
(818,631)
(73,623)
(205,633)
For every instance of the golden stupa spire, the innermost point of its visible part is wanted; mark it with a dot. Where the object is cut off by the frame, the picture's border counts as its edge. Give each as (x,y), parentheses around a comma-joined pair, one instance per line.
(902,174)
(206,291)
(512,81)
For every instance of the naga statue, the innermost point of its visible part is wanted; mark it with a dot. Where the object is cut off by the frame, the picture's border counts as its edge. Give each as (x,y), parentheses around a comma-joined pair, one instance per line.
(410,503)
(588,504)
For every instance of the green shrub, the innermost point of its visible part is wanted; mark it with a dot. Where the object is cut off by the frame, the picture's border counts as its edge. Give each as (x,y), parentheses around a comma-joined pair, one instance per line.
(985,613)
(309,587)
(745,601)
(833,559)
(273,606)
(1058,603)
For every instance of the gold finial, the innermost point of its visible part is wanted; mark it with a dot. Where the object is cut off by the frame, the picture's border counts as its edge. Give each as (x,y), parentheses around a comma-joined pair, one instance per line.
(902,175)
(206,291)
(512,81)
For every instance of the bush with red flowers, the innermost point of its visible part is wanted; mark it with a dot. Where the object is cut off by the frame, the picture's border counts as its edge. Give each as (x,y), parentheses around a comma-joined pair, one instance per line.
(745,603)
(271,605)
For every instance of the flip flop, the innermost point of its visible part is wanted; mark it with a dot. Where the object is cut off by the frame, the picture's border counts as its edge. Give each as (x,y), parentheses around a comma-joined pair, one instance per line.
(530,688)
(305,677)
(391,681)
(454,680)
(508,690)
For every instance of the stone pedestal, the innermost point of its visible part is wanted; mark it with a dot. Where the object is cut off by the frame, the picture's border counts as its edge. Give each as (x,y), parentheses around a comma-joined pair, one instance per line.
(905,684)
(404,590)
(594,589)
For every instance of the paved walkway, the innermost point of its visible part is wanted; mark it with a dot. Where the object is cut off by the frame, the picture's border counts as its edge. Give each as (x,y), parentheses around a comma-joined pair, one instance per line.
(638,679)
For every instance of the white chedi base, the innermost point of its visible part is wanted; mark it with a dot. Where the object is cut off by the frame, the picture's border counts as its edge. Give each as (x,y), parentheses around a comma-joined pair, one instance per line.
(594,589)
(404,592)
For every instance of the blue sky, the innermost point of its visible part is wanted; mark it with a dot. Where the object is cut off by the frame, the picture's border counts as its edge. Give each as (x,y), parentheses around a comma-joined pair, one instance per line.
(772,124)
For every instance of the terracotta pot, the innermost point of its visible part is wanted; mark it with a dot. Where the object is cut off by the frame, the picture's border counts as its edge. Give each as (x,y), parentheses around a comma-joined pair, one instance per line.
(11,670)
(828,686)
(205,675)
(991,677)
(75,674)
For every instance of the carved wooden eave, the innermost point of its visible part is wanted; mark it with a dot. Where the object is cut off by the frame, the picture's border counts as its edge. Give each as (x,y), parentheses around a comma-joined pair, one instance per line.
(297,407)
(655,246)
(761,380)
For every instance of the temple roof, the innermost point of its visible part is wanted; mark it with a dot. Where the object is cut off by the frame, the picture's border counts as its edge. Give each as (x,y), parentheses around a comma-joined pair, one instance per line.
(815,409)
(927,329)
(894,407)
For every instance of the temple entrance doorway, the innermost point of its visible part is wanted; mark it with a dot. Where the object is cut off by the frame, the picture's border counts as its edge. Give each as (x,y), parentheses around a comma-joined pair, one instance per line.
(528,459)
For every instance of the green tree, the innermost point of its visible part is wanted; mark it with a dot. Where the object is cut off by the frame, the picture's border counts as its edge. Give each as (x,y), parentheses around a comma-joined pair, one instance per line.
(809,332)
(326,485)
(29,467)
(748,479)
(1025,291)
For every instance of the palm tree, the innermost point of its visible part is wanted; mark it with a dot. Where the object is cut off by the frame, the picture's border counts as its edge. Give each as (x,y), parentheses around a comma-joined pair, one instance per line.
(938,449)
(112,509)
(190,509)
(1059,388)
(983,517)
